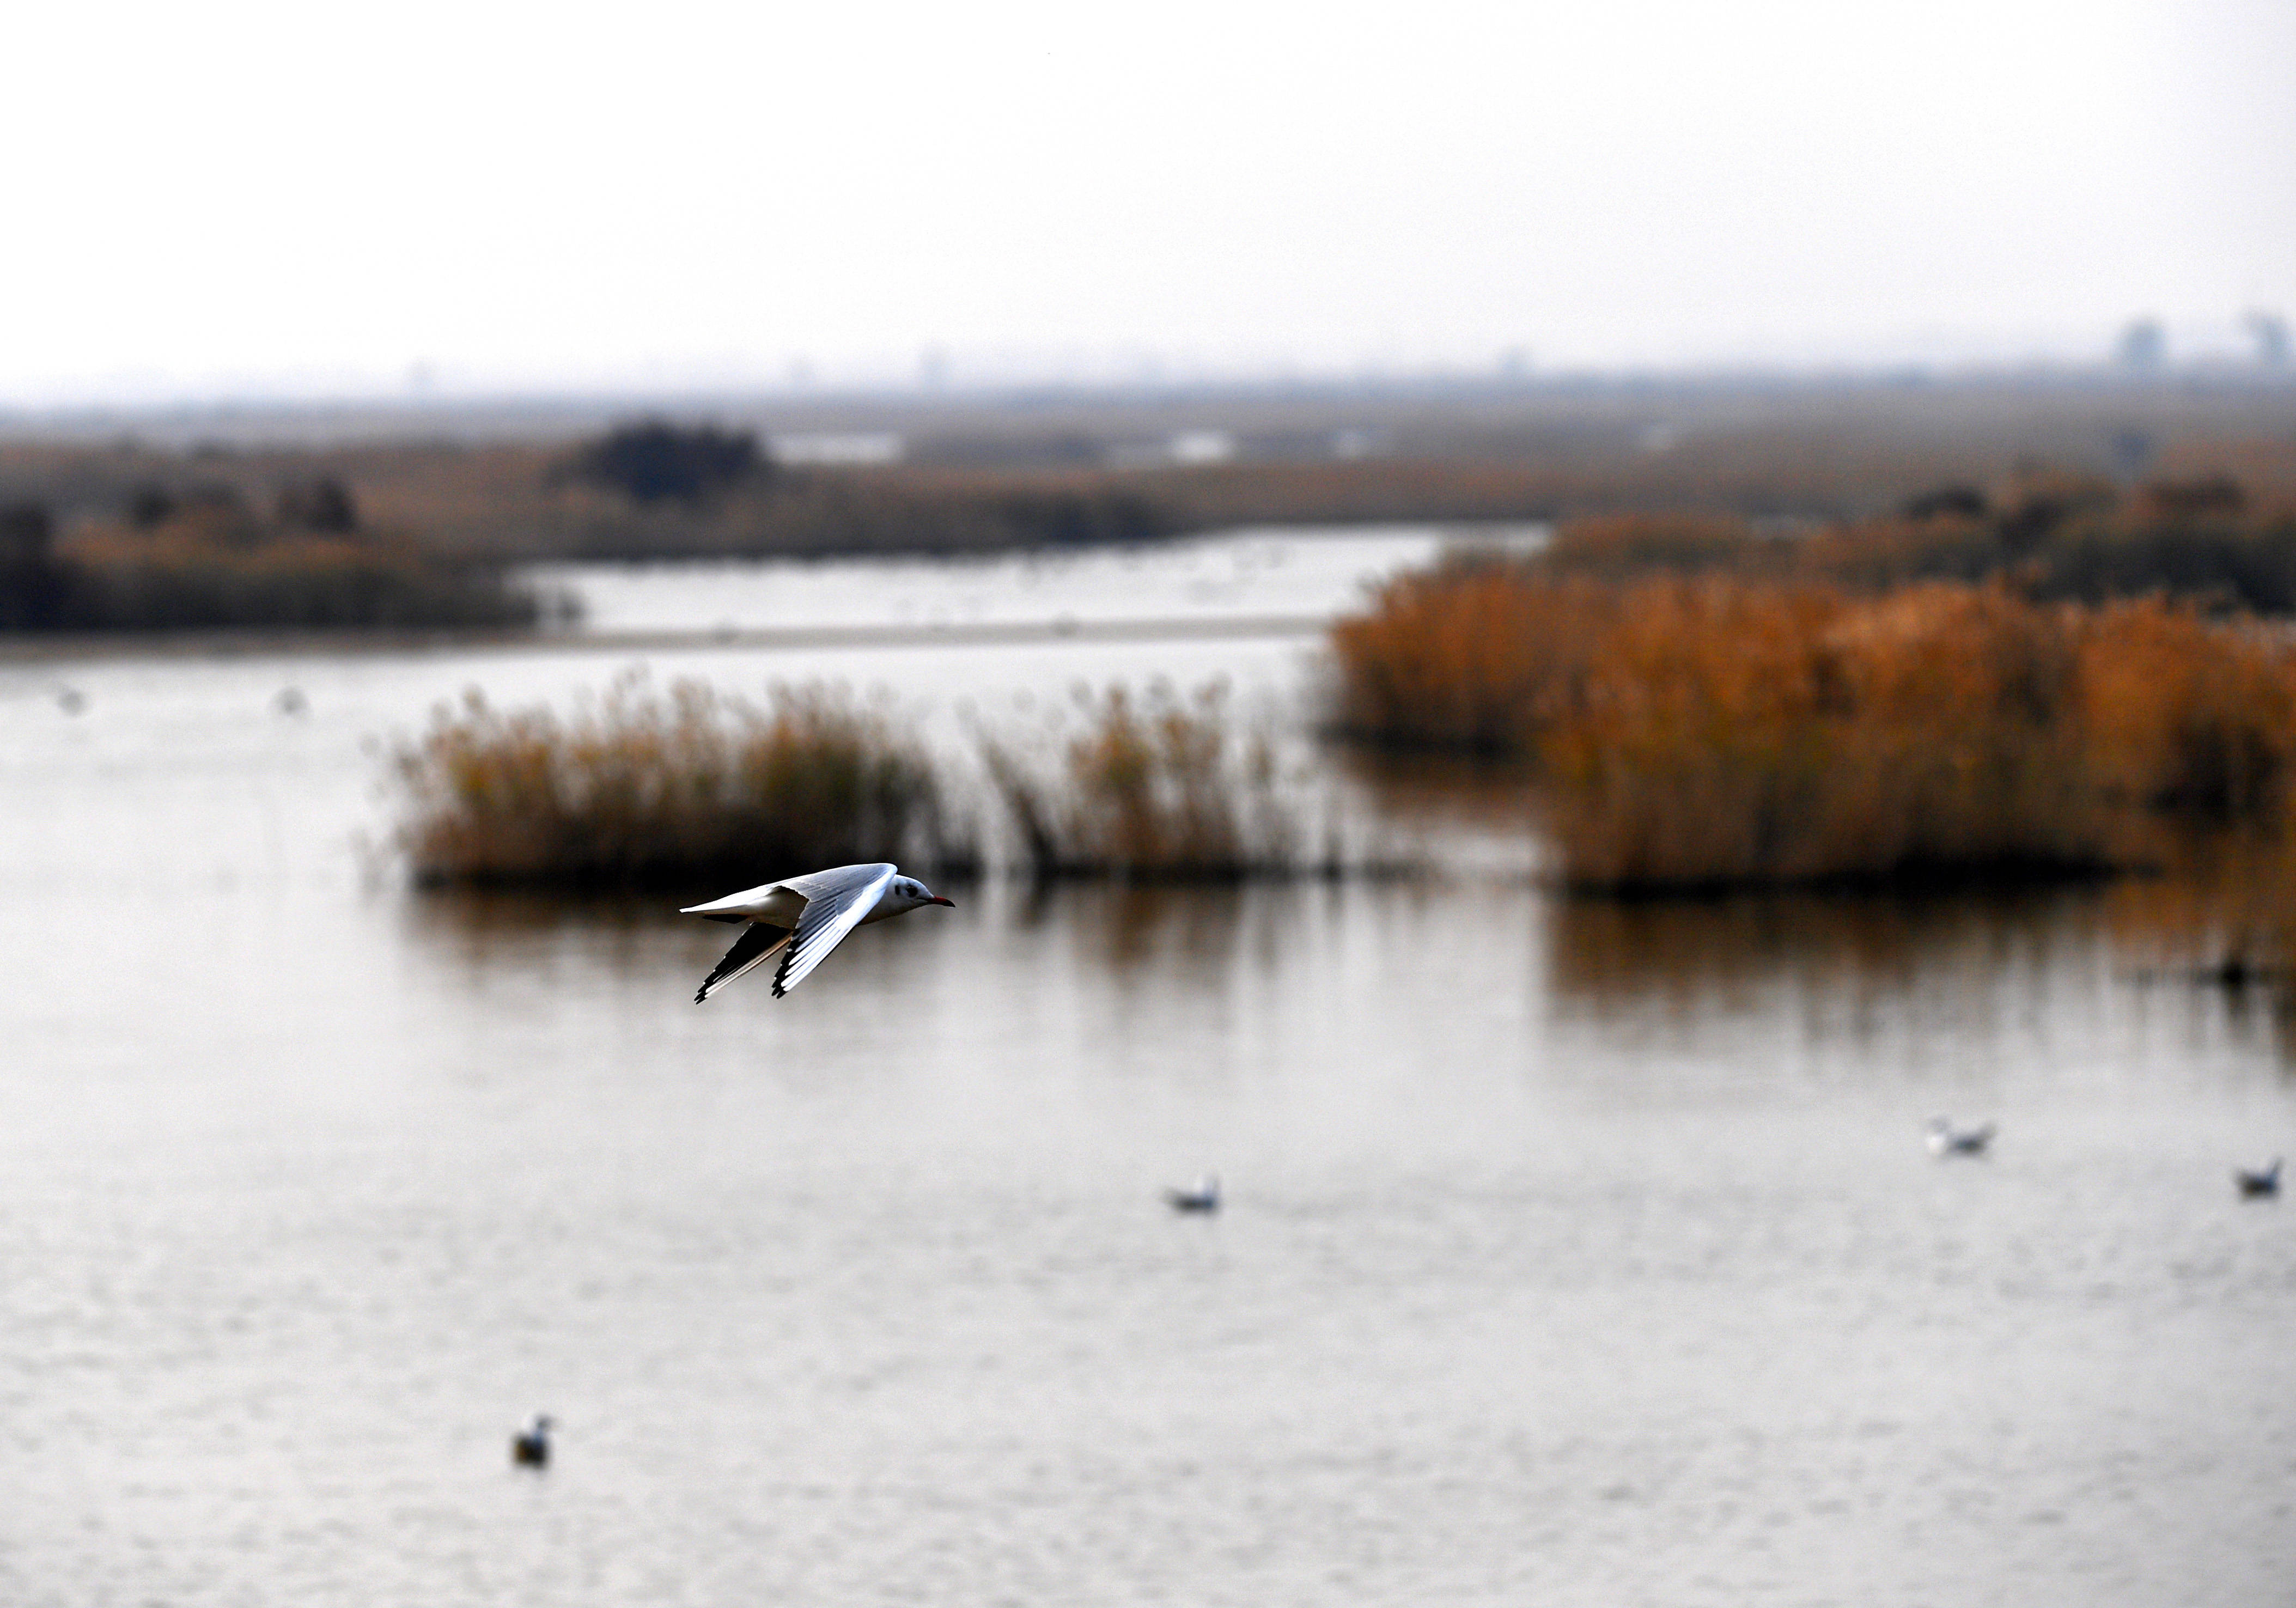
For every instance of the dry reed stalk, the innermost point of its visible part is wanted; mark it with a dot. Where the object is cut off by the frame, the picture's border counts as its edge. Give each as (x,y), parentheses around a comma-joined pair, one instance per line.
(649,789)
(1160,788)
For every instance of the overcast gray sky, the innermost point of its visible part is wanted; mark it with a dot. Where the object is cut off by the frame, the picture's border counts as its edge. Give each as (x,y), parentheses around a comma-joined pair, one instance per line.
(241,197)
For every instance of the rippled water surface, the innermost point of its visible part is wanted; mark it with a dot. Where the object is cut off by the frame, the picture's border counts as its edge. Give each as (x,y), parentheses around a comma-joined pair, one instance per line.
(1573,1253)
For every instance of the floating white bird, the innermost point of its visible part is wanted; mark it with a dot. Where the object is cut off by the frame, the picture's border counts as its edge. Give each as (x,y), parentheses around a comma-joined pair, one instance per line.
(1946,1140)
(803,918)
(1204,1197)
(530,1448)
(2266,1182)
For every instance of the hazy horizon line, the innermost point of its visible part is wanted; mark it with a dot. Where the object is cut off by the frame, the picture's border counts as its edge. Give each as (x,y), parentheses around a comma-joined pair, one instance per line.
(926,392)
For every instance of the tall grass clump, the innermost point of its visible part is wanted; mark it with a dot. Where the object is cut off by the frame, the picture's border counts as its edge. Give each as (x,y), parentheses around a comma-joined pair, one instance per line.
(1156,788)
(1734,733)
(644,788)
(1473,656)
(297,583)
(1720,730)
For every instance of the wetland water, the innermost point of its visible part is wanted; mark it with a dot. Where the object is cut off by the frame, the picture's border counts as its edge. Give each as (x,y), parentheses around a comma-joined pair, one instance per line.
(1573,1253)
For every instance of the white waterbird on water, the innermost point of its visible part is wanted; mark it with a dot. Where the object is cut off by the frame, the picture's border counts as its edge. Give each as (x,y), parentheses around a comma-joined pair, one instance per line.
(1946,1140)
(802,918)
(1204,1197)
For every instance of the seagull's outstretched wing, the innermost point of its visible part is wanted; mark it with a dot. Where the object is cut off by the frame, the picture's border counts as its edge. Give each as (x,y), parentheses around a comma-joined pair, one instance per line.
(758,943)
(835,903)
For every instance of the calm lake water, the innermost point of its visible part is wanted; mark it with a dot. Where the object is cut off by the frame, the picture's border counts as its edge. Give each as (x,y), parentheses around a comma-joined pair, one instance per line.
(1253,573)
(1573,1253)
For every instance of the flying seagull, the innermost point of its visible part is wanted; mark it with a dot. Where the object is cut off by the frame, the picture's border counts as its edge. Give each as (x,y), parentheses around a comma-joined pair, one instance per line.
(801,919)
(2253,1185)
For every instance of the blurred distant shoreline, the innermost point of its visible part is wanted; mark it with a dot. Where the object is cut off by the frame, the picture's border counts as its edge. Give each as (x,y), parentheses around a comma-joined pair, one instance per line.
(1079,424)
(360,516)
(29,647)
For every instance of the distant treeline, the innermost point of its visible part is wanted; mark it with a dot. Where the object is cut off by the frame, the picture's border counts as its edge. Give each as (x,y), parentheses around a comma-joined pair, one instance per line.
(209,560)
(655,488)
(2043,536)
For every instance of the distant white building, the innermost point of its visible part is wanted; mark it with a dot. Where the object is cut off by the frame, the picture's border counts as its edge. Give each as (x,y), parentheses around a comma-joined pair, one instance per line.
(1191,447)
(849,450)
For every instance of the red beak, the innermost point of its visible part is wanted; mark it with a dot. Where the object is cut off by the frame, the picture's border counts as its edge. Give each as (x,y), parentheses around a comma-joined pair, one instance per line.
(937,899)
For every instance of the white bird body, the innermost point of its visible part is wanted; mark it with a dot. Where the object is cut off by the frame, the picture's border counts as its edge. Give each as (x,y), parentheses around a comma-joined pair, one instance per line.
(1946,1140)
(1204,1197)
(530,1448)
(802,918)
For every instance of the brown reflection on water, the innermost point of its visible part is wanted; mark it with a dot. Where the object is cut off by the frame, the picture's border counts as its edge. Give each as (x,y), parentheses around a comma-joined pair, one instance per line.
(1826,966)
(1441,808)
(2222,928)
(1150,932)
(1135,932)
(1857,966)
(1434,789)
(483,927)
(1682,955)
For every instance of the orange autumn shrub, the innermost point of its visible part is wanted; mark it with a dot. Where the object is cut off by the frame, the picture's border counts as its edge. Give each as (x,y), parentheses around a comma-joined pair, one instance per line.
(2189,720)
(1701,731)
(1743,733)
(1617,546)
(1471,655)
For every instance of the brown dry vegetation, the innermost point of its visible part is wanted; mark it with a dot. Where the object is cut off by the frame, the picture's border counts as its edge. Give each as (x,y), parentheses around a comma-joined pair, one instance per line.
(984,473)
(112,580)
(514,502)
(682,789)
(1163,788)
(645,789)
(2049,536)
(519,500)
(1704,731)
(209,559)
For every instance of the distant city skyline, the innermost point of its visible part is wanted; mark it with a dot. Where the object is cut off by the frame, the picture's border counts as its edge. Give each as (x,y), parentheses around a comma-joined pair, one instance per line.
(263,202)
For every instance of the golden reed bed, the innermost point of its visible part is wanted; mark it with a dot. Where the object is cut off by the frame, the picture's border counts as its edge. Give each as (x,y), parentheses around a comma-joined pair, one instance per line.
(692,787)
(1698,731)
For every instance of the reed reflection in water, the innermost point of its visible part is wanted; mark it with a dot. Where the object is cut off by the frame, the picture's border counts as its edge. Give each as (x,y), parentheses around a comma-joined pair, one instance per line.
(1908,979)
